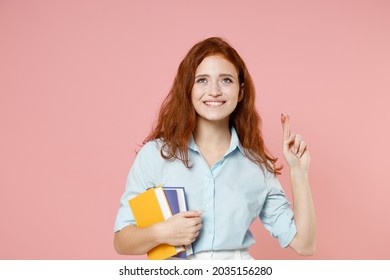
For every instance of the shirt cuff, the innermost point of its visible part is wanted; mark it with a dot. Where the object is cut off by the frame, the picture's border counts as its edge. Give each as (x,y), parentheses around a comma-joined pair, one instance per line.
(123,219)
(285,229)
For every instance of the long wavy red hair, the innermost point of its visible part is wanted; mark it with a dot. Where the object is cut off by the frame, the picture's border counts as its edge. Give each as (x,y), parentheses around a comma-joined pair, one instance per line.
(177,118)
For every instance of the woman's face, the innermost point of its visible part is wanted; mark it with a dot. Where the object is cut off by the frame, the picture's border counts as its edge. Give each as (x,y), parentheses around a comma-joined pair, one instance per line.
(216,90)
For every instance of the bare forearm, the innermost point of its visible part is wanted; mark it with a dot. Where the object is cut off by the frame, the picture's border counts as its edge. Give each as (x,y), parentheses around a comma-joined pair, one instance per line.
(305,240)
(135,241)
(180,229)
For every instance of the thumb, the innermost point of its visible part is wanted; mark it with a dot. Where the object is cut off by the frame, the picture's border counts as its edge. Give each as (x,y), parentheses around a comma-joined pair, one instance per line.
(191,214)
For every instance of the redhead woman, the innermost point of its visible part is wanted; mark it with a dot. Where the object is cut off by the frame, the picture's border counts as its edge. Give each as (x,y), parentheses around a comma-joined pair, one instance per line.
(207,139)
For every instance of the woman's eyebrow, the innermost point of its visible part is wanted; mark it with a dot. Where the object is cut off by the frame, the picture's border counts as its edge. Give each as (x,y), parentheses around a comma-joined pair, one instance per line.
(227,75)
(202,76)
(220,75)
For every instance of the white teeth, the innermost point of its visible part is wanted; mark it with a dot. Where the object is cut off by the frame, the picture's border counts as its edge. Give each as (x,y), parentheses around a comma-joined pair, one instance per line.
(214,103)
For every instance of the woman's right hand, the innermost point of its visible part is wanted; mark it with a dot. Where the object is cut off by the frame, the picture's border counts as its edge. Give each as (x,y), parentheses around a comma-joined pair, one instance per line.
(180,229)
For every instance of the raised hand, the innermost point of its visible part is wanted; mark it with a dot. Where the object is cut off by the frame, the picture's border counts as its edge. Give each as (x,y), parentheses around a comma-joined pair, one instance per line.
(295,150)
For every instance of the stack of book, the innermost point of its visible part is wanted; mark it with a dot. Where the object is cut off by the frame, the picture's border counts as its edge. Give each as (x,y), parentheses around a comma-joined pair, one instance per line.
(157,205)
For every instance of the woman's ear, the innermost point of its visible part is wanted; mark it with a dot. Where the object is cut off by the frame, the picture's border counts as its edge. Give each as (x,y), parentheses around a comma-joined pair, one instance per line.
(241,93)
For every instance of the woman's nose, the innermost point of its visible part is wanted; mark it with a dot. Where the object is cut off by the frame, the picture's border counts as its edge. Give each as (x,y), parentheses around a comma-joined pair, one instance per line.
(214,90)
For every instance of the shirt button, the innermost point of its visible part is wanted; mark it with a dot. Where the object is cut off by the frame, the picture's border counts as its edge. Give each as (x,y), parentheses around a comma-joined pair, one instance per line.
(208,205)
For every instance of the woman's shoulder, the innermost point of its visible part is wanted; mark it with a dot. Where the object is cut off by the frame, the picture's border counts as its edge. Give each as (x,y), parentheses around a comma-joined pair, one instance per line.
(147,153)
(151,147)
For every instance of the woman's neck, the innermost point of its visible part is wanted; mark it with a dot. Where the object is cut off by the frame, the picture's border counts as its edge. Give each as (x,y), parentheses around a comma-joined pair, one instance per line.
(212,135)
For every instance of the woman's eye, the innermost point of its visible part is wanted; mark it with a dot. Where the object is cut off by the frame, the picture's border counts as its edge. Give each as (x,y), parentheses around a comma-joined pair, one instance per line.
(227,80)
(201,81)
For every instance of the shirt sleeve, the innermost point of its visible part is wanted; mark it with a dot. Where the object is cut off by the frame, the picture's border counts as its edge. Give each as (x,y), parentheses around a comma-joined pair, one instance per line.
(139,179)
(276,214)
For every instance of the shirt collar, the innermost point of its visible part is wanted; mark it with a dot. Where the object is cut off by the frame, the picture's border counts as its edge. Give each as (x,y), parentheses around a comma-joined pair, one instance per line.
(234,143)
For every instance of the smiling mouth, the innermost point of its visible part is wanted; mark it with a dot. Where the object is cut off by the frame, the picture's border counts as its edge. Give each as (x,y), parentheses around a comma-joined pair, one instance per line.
(214,103)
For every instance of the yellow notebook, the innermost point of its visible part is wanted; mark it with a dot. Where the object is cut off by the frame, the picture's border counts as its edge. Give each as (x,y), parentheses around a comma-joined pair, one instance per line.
(152,207)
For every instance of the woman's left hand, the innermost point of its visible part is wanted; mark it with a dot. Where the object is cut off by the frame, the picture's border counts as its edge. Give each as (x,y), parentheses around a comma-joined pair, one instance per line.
(295,150)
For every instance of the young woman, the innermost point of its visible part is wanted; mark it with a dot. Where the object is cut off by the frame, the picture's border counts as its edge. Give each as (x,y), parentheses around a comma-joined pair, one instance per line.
(208,140)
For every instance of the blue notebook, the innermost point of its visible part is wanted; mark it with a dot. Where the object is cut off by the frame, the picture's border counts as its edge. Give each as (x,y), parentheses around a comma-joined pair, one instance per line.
(173,202)
(177,202)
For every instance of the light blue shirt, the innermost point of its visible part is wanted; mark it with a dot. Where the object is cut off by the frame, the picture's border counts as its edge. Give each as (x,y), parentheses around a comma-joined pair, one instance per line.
(233,193)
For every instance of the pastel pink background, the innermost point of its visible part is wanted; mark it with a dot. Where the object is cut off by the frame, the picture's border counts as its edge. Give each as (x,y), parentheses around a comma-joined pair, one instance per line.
(81,83)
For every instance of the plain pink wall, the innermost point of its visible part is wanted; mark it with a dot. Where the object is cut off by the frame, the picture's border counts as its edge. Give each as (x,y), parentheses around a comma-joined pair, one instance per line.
(81,83)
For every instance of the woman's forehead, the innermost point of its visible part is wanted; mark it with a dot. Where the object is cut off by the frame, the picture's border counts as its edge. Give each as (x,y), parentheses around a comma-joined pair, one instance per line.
(216,63)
